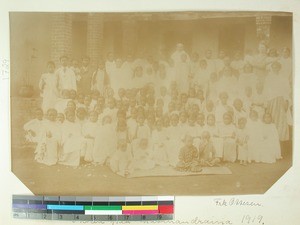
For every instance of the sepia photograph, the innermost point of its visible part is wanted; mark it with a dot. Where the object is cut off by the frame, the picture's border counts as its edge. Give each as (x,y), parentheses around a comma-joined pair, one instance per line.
(151,103)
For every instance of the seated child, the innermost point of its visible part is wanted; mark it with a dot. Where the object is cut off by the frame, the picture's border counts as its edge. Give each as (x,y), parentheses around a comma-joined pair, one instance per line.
(87,103)
(159,144)
(73,95)
(95,95)
(33,127)
(80,100)
(122,130)
(121,159)
(173,137)
(142,155)
(142,130)
(60,118)
(214,133)
(241,140)
(81,116)
(228,133)
(238,111)
(222,107)
(200,124)
(132,124)
(207,152)
(70,106)
(188,156)
(47,148)
(71,141)
(209,108)
(61,103)
(111,110)
(89,129)
(105,141)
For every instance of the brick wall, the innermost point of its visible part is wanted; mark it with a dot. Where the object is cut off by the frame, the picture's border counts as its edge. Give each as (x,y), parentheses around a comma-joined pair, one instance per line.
(95,37)
(61,35)
(130,37)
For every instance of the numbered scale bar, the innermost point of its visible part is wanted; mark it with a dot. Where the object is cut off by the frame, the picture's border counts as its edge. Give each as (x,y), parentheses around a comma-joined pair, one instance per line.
(93,208)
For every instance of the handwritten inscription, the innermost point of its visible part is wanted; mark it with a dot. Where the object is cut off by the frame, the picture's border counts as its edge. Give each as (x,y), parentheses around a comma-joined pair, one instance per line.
(235,202)
(195,220)
(247,219)
(4,69)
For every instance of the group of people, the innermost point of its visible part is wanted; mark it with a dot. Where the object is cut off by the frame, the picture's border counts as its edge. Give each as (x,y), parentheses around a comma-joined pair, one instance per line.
(185,112)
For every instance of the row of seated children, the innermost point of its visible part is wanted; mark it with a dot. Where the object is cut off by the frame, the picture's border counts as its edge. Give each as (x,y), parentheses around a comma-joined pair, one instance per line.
(66,141)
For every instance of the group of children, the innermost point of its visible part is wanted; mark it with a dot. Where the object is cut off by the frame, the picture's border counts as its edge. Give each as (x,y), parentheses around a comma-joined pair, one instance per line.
(186,113)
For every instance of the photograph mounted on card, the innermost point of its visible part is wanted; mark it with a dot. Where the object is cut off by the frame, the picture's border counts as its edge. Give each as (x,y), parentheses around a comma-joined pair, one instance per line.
(151,103)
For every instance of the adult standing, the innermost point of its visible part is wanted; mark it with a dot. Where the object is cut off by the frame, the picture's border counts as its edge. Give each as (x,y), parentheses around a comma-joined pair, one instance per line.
(176,56)
(66,76)
(84,81)
(278,100)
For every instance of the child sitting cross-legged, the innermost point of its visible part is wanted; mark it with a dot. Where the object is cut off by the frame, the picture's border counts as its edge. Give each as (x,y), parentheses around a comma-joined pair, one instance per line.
(188,156)
(207,152)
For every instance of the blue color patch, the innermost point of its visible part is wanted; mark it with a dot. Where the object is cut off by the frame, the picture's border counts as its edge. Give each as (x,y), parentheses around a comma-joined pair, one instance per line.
(65,207)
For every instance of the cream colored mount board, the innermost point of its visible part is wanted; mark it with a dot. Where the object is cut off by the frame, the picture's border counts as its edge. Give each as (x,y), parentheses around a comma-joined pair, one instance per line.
(193,100)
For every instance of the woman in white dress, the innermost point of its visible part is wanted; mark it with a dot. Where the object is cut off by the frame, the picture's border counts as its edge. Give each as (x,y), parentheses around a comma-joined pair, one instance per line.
(48,87)
(278,100)
(99,79)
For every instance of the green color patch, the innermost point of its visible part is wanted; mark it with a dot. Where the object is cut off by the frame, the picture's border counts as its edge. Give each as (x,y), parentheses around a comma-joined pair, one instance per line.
(103,207)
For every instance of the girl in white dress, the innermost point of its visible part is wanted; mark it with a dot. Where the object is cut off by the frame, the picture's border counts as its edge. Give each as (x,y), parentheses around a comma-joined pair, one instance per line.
(247,77)
(222,107)
(142,155)
(174,135)
(99,79)
(71,141)
(214,132)
(105,141)
(48,87)
(47,148)
(238,111)
(238,62)
(259,99)
(271,146)
(255,142)
(61,103)
(89,130)
(159,144)
(242,141)
(228,133)
(203,74)
(121,159)
(228,83)
(142,130)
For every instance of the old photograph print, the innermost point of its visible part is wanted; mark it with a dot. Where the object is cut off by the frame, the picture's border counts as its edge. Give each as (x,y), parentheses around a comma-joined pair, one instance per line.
(168,103)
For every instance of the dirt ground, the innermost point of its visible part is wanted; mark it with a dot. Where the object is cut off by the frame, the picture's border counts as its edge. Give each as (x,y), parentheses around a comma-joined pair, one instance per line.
(90,180)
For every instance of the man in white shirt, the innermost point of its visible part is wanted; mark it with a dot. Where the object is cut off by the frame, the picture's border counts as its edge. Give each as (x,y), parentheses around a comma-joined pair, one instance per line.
(176,56)
(66,76)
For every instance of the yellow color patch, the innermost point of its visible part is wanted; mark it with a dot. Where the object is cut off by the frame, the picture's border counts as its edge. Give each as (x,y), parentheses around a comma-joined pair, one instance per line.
(140,207)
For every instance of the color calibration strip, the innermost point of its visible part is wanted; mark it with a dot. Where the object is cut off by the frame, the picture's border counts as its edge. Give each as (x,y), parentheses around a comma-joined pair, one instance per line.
(134,208)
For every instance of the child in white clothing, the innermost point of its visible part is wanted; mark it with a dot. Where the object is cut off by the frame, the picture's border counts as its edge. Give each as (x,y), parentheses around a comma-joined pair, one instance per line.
(33,127)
